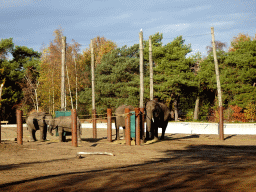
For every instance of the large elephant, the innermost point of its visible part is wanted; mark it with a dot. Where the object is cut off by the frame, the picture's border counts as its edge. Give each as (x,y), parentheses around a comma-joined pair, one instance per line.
(38,121)
(63,124)
(120,118)
(157,115)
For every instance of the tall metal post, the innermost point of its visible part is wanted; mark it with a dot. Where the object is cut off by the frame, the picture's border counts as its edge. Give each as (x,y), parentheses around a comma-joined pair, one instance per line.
(63,62)
(141,69)
(93,94)
(221,131)
(151,69)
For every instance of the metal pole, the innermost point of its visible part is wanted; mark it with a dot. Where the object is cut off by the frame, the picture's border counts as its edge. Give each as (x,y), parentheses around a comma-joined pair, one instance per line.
(151,69)
(109,124)
(142,127)
(127,127)
(94,129)
(138,116)
(221,131)
(19,127)
(0,132)
(74,127)
(141,69)
(63,61)
(93,94)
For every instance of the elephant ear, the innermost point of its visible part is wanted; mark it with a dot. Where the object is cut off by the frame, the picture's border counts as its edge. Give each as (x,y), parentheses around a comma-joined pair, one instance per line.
(158,110)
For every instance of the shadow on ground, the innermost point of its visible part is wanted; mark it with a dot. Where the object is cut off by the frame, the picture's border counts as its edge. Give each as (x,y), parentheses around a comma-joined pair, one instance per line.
(196,168)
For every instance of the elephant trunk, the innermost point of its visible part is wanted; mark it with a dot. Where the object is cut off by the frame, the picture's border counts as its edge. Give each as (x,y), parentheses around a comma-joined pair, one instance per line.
(149,119)
(51,127)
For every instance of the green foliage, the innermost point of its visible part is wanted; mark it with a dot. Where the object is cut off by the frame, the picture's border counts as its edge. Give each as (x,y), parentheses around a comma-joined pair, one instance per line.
(13,71)
(239,75)
(173,76)
(117,80)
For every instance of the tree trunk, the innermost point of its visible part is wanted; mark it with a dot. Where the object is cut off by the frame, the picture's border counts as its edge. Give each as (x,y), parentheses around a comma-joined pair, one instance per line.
(176,109)
(1,88)
(196,112)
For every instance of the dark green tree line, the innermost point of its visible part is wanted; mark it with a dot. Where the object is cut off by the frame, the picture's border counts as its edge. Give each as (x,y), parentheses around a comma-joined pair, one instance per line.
(15,61)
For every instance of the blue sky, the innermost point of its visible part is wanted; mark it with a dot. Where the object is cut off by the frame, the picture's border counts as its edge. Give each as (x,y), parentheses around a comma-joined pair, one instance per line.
(31,22)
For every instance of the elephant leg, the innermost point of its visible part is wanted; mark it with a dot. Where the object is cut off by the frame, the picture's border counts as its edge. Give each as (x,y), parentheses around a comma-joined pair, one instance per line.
(60,131)
(124,132)
(41,134)
(156,133)
(45,133)
(32,134)
(147,135)
(163,130)
(79,135)
(117,133)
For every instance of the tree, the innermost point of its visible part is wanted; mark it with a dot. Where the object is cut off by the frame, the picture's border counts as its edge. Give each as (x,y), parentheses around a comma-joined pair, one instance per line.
(207,78)
(50,67)
(101,46)
(239,77)
(219,47)
(117,80)
(12,75)
(235,42)
(173,76)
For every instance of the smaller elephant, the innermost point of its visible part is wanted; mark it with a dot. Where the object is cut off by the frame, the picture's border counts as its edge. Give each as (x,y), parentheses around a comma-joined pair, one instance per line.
(120,118)
(38,121)
(63,124)
(157,115)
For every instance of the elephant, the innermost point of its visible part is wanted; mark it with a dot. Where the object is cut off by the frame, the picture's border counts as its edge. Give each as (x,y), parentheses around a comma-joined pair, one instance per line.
(120,119)
(63,124)
(157,115)
(38,121)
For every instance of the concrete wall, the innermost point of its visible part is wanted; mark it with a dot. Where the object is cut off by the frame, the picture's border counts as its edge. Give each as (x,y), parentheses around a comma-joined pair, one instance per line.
(190,128)
(197,128)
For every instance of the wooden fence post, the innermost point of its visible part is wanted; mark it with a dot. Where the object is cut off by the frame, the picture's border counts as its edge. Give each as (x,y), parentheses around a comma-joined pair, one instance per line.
(94,129)
(109,125)
(0,132)
(142,127)
(74,127)
(19,127)
(127,127)
(138,130)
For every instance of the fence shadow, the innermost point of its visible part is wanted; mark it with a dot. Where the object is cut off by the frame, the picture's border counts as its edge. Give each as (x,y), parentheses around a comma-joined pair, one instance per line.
(197,167)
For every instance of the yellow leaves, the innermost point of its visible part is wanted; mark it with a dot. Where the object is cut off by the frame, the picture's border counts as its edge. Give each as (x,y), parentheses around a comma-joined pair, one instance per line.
(240,38)
(101,46)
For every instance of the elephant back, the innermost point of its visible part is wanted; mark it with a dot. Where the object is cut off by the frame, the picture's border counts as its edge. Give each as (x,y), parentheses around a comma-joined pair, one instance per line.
(121,109)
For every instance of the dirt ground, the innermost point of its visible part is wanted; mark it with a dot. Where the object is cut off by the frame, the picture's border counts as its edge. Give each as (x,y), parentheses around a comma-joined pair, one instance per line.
(179,163)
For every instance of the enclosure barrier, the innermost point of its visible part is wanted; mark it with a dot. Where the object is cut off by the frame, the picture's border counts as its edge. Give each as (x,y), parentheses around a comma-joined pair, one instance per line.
(138,124)
(109,125)
(127,127)
(74,127)
(0,134)
(94,129)
(19,127)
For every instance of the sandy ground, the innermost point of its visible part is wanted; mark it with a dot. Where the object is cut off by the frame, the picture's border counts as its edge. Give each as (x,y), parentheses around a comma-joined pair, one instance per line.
(179,163)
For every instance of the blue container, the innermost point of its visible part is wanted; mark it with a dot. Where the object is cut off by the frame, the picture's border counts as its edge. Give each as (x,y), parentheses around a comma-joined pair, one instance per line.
(132,123)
